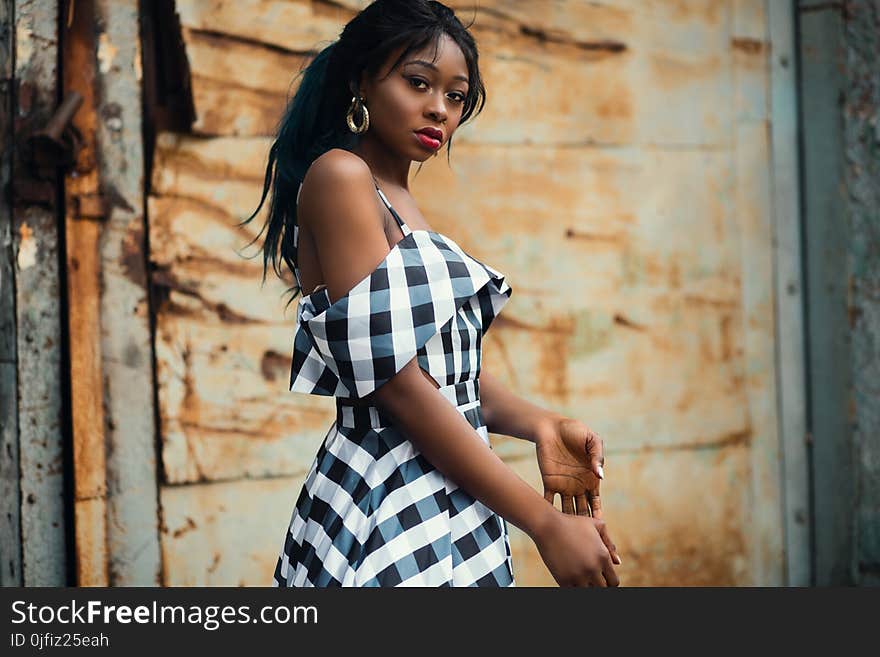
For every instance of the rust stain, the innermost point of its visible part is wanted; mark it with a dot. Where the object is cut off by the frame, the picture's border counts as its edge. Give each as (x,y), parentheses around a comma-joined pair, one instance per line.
(214,563)
(700,300)
(272,363)
(731,439)
(618,107)
(678,535)
(671,74)
(726,337)
(132,259)
(748,45)
(554,350)
(627,323)
(549,36)
(190,411)
(613,238)
(190,525)
(164,281)
(514,323)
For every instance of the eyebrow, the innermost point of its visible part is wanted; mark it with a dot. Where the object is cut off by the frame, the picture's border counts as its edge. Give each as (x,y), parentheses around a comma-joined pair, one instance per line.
(422,62)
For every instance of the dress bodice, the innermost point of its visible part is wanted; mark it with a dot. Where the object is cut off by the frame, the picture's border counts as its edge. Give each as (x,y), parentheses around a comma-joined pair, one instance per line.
(427,299)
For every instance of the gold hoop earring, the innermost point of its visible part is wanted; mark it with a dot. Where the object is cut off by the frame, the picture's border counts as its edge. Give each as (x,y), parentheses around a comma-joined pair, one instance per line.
(349,117)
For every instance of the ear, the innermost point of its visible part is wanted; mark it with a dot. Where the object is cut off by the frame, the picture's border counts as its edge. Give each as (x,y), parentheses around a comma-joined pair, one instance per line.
(363,86)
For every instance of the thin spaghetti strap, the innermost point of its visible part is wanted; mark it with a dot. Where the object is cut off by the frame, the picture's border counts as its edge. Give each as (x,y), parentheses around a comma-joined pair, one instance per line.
(397,217)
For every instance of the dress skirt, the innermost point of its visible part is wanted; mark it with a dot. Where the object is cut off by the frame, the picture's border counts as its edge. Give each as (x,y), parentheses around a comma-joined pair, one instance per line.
(374,512)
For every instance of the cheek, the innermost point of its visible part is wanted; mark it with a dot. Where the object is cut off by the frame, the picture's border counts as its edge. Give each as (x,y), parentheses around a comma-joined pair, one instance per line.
(398,106)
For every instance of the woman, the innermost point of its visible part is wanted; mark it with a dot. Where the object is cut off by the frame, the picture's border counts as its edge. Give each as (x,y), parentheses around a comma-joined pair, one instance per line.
(405,489)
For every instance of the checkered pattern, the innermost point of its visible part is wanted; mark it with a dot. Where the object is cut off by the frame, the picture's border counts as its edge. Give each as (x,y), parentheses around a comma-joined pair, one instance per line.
(373,511)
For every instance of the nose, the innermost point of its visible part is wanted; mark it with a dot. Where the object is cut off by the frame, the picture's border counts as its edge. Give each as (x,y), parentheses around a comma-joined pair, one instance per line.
(436,108)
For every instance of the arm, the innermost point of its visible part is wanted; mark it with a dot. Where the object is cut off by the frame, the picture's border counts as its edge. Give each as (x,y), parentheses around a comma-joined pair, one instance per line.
(570,455)
(350,241)
(507,414)
(452,445)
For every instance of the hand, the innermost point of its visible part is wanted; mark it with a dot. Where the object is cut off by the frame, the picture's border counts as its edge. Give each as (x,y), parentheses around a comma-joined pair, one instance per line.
(577,550)
(570,458)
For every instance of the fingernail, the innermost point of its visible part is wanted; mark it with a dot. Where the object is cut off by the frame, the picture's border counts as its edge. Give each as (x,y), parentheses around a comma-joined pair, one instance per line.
(601,472)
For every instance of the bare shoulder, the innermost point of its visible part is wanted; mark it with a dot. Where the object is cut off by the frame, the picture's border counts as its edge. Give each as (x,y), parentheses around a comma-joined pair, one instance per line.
(339,204)
(331,173)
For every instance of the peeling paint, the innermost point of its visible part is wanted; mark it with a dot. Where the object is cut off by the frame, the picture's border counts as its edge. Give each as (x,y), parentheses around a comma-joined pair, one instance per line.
(106,53)
(27,247)
(138,62)
(24,43)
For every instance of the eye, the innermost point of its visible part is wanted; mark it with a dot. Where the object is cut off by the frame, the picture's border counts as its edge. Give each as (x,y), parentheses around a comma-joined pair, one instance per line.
(459,97)
(416,81)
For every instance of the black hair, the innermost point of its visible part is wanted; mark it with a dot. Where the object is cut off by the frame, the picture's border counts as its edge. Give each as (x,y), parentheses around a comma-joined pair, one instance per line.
(314,121)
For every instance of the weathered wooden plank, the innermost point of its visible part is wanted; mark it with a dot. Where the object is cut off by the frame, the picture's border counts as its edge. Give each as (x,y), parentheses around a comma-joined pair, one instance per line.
(225,534)
(126,345)
(38,308)
(10,497)
(83,235)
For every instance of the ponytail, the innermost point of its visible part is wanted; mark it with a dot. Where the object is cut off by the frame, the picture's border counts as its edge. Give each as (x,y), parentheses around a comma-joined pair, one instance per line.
(303,134)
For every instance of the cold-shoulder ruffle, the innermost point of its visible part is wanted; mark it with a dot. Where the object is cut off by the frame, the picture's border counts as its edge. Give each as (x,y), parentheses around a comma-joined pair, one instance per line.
(350,347)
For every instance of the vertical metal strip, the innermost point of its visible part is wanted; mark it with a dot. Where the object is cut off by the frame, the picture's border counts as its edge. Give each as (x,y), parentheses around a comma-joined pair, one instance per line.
(791,383)
(10,498)
(83,230)
(826,277)
(132,503)
(38,303)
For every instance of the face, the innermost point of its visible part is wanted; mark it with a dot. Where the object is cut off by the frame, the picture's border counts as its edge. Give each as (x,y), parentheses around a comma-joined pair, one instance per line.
(420,93)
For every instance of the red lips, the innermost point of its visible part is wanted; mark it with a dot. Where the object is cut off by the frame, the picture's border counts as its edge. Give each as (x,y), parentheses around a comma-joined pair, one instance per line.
(433,133)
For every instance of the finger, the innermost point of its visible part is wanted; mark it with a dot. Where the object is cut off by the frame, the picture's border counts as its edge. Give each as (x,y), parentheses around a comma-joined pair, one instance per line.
(609,543)
(609,574)
(596,451)
(549,495)
(599,579)
(583,506)
(596,503)
(567,504)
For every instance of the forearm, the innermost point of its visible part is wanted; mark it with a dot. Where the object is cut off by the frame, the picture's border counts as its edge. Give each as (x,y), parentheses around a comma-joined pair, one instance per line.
(508,414)
(451,444)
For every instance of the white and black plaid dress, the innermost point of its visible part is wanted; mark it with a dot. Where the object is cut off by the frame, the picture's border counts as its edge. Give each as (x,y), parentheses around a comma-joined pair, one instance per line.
(373,511)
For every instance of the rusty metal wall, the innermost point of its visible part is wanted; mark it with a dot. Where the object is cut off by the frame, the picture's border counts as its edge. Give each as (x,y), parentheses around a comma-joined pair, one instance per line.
(621,175)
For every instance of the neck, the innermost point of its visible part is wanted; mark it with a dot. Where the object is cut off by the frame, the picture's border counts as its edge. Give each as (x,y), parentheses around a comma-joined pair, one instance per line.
(387,167)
